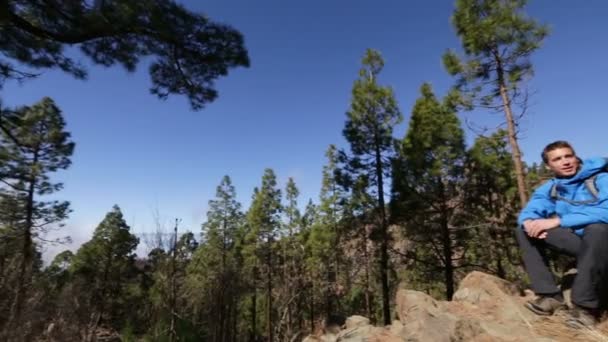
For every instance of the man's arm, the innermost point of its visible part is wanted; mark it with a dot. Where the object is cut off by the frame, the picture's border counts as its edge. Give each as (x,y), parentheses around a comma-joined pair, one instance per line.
(591,213)
(540,205)
(538,228)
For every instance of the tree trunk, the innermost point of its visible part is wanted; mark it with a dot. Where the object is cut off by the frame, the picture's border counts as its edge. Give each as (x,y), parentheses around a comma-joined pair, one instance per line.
(269,329)
(328,292)
(221,319)
(235,314)
(173,295)
(446,242)
(368,295)
(312,303)
(253,335)
(24,272)
(299,304)
(26,261)
(447,256)
(516,152)
(384,242)
(337,240)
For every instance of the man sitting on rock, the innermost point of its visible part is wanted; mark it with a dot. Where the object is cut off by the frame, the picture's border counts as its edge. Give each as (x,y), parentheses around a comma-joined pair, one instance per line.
(569,214)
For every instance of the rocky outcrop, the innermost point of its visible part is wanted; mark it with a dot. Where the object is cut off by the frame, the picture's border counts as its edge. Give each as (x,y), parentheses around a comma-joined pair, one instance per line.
(485,308)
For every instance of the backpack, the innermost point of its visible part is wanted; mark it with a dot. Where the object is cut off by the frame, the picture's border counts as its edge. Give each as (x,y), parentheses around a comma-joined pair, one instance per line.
(589,184)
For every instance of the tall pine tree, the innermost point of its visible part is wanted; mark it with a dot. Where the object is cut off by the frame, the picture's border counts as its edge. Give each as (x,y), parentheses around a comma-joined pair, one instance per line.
(427,185)
(33,145)
(290,294)
(498,39)
(264,222)
(214,265)
(103,264)
(372,116)
(491,205)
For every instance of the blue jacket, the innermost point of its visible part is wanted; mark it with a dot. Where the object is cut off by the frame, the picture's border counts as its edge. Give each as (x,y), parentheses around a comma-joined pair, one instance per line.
(574,216)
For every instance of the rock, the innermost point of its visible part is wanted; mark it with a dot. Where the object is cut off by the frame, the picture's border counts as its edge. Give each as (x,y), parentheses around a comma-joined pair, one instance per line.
(496,297)
(356,321)
(423,318)
(329,338)
(468,330)
(311,338)
(396,328)
(478,287)
(484,309)
(368,333)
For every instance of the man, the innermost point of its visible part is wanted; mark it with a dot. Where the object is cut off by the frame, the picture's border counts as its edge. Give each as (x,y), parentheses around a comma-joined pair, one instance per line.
(566,215)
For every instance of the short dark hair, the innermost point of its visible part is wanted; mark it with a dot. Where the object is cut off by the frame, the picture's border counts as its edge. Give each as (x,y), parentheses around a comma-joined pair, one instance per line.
(554,146)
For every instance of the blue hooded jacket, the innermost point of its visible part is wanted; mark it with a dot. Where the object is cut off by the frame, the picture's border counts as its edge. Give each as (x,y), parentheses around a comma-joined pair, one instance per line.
(573,216)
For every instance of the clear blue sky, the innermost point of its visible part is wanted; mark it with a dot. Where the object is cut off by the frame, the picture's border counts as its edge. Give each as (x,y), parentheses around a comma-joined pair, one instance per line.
(144,154)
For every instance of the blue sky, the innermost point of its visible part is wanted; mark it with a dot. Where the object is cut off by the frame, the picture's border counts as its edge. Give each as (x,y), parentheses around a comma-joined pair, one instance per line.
(148,155)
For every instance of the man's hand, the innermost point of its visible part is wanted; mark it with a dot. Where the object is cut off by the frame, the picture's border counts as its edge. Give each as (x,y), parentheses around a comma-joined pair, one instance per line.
(538,228)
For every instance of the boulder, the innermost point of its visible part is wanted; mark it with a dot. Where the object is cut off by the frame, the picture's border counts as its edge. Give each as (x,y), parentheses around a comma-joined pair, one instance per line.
(423,318)
(484,309)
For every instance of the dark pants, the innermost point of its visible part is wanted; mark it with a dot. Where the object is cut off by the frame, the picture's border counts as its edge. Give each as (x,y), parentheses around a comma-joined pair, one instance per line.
(591,252)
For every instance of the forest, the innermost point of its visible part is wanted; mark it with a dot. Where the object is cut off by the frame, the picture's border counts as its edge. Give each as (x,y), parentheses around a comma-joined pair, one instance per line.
(421,210)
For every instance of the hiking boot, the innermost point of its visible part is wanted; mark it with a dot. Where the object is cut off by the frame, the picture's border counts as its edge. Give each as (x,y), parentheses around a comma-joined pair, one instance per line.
(579,318)
(545,305)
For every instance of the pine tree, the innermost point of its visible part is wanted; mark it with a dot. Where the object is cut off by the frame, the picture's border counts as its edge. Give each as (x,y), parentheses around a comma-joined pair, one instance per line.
(310,267)
(291,210)
(190,51)
(291,283)
(214,265)
(427,184)
(33,145)
(498,40)
(103,264)
(264,221)
(58,272)
(372,116)
(167,288)
(330,213)
(491,204)
(332,201)
(360,217)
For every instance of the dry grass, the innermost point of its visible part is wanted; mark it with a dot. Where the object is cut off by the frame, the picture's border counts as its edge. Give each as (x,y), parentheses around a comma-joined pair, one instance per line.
(555,328)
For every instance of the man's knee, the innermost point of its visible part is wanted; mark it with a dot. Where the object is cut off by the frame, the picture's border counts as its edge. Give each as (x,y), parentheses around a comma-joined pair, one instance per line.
(596,233)
(563,240)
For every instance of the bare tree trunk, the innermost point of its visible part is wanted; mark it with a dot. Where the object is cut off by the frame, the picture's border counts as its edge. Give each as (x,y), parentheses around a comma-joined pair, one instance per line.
(368,295)
(312,303)
(24,273)
(300,304)
(447,256)
(384,240)
(515,150)
(253,309)
(27,259)
(172,300)
(235,315)
(446,242)
(328,292)
(269,329)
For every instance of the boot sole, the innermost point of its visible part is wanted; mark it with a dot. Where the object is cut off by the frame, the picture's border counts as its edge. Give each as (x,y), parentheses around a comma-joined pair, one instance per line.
(578,324)
(539,311)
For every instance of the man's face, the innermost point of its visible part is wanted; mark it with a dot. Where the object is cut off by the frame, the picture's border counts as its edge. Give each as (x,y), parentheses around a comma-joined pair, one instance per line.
(563,162)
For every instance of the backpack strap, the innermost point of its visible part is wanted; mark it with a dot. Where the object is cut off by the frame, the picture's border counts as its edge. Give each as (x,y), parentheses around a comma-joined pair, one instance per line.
(591,188)
(553,192)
